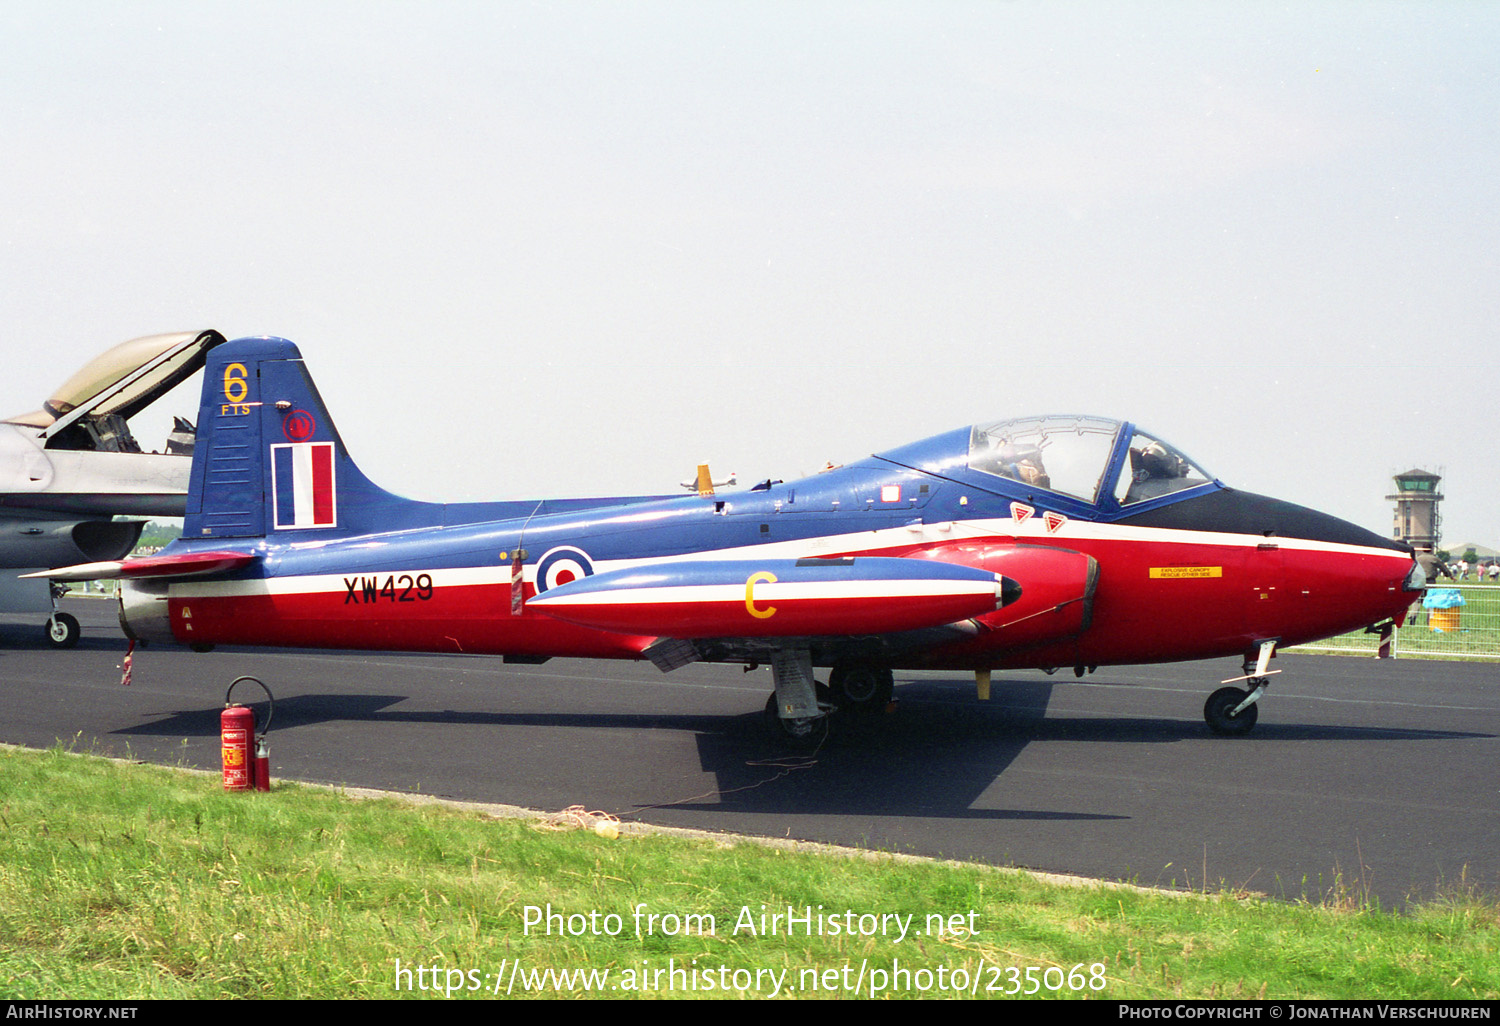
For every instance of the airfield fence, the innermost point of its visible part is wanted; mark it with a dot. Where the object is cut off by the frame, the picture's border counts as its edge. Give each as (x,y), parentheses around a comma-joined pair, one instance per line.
(1470,631)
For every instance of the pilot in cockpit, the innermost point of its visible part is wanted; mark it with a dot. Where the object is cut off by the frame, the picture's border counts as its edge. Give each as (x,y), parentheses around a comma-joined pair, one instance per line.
(1155,470)
(1022,463)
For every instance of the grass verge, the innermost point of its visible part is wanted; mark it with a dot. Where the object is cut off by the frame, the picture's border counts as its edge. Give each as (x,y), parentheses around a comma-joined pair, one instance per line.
(129,882)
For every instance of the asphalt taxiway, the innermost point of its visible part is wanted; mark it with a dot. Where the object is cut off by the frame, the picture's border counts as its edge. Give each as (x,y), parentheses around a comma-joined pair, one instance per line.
(1363,776)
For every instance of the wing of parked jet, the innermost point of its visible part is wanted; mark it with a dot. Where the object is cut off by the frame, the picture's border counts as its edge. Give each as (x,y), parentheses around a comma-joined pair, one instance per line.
(71,467)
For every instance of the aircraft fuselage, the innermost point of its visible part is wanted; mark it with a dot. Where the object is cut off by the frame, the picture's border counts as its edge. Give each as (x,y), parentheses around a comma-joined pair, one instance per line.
(1157,593)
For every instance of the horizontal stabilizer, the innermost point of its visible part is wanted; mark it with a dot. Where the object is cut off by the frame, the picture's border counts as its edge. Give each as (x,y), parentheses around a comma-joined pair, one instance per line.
(778,597)
(183,564)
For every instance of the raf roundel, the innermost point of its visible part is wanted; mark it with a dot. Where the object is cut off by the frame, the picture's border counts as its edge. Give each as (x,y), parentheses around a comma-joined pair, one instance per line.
(298,426)
(561,565)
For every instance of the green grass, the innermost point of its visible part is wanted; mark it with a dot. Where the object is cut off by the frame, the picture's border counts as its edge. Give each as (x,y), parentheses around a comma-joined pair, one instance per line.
(130,882)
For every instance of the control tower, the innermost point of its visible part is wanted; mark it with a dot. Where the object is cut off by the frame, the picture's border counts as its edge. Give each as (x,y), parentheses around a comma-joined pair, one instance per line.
(1418,522)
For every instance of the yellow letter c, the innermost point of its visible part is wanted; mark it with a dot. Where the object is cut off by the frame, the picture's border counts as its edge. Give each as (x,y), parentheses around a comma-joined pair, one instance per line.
(769,578)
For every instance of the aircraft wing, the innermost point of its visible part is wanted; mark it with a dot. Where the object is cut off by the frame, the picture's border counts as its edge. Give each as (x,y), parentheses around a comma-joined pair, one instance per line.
(186,564)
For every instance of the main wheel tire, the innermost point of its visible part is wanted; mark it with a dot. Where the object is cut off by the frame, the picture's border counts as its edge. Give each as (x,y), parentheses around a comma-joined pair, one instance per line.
(801,735)
(862,688)
(63,630)
(1217,713)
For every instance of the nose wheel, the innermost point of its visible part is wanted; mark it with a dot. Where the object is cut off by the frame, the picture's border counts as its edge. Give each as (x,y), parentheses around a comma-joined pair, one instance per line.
(1227,713)
(1232,712)
(63,630)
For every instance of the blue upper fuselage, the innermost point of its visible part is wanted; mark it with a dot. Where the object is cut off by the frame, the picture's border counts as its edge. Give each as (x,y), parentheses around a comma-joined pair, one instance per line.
(271,475)
(936,480)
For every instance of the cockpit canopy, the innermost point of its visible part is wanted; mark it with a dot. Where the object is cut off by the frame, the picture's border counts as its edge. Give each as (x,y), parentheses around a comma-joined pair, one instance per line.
(1083,458)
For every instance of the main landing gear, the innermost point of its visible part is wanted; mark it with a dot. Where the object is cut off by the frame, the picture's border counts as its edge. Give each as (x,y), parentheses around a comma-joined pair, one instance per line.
(861,687)
(794,711)
(1232,712)
(798,711)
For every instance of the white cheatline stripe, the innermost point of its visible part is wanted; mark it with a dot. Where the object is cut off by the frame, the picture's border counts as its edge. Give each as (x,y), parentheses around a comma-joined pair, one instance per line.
(788,591)
(872,542)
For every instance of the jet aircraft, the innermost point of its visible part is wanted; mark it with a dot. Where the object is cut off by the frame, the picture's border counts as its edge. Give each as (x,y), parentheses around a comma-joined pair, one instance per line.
(67,469)
(1045,542)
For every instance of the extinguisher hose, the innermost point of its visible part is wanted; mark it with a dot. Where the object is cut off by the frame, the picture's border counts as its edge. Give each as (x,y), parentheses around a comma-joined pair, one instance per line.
(270,699)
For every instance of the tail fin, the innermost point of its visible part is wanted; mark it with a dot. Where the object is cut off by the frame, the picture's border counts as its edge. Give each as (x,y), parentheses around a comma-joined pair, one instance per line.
(268,460)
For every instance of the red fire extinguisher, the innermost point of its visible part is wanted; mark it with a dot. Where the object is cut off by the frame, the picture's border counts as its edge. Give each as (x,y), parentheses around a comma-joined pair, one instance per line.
(247,756)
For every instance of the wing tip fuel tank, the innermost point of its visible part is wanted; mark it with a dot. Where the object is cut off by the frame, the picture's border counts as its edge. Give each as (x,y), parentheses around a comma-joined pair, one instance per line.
(778,598)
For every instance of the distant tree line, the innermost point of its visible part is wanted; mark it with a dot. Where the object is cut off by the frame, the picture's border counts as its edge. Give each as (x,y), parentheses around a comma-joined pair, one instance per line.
(156,536)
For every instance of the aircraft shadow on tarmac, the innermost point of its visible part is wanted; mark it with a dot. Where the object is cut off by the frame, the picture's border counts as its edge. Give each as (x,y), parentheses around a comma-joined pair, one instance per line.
(33,638)
(937,757)
(934,756)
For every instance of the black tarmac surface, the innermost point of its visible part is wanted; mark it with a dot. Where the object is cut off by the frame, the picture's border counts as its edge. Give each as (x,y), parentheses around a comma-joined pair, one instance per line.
(1361,777)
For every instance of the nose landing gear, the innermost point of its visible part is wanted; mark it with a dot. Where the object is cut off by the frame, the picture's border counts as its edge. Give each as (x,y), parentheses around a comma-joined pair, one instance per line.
(1232,712)
(63,630)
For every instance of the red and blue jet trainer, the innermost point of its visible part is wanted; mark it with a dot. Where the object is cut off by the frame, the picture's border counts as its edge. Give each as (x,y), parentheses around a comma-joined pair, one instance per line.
(1034,542)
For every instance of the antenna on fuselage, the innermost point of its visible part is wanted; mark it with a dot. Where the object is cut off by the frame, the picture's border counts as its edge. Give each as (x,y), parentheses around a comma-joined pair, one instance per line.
(518,564)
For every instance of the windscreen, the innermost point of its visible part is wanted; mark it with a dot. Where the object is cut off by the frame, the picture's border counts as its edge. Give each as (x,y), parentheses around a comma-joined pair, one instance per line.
(1156,469)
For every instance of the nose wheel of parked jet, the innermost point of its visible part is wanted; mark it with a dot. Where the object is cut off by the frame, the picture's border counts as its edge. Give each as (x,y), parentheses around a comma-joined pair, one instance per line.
(63,630)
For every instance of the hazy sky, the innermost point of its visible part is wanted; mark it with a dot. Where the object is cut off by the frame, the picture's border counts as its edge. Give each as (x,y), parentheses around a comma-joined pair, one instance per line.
(575,248)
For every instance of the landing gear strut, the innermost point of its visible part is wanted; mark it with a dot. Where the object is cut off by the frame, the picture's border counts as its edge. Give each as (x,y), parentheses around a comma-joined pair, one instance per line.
(798,712)
(1232,712)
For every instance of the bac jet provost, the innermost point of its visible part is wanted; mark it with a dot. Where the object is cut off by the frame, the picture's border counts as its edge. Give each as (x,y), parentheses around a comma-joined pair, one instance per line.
(1038,542)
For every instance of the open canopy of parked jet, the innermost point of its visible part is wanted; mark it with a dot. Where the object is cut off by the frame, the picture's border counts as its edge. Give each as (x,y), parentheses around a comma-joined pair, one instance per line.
(68,468)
